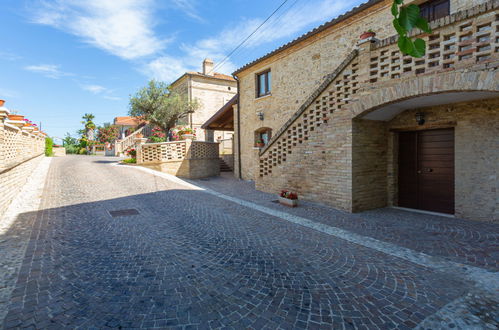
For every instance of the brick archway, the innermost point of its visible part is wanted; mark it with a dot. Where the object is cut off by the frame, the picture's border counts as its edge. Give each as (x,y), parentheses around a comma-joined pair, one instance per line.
(417,87)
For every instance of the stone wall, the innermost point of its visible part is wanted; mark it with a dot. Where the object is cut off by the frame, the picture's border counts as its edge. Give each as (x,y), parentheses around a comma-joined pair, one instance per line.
(13,179)
(188,159)
(21,148)
(61,151)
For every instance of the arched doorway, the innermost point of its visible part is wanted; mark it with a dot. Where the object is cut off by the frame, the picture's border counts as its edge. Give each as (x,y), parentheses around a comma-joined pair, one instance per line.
(447,164)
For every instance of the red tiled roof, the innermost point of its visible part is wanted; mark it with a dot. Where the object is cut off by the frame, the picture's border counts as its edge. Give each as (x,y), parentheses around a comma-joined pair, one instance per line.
(216,75)
(127,121)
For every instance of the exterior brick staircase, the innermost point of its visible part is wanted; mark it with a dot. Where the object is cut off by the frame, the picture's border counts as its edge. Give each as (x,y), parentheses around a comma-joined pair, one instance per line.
(333,94)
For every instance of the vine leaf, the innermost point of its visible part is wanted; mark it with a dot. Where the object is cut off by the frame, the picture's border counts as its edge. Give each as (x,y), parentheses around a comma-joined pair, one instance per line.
(409,16)
(419,48)
(400,29)
(405,45)
(423,25)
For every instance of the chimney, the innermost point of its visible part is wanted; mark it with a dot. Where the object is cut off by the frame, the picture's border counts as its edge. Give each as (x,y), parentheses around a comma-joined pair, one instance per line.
(208,67)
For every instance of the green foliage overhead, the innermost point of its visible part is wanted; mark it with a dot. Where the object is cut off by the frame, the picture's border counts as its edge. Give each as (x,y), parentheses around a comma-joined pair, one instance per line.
(405,19)
(161,106)
(49,143)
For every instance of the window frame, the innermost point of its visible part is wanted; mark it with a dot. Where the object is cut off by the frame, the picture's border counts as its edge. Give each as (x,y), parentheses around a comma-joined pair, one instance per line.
(430,6)
(259,133)
(268,87)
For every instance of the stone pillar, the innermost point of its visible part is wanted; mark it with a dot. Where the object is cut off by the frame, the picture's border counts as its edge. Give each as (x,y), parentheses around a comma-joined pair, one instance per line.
(235,149)
(188,151)
(364,48)
(138,147)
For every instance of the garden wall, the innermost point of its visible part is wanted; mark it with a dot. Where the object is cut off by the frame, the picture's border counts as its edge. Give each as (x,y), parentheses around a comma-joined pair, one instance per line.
(22,147)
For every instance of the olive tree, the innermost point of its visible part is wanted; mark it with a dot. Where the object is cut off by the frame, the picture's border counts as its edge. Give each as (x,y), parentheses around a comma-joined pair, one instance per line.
(161,106)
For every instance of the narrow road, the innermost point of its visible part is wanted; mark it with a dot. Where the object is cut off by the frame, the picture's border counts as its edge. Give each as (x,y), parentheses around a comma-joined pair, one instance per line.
(183,258)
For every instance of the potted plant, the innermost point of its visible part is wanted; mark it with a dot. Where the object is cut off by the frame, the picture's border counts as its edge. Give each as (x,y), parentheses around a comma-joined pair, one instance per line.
(367,34)
(288,198)
(2,102)
(259,143)
(16,117)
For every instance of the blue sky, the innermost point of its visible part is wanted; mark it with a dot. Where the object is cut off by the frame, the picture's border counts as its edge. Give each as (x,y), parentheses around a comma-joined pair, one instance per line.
(62,58)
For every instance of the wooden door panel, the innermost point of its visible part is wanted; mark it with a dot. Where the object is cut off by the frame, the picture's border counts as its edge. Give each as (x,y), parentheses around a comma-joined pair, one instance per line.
(426,170)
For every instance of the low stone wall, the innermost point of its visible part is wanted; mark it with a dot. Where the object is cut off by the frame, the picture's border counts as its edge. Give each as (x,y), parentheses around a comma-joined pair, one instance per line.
(22,147)
(186,159)
(13,179)
(59,151)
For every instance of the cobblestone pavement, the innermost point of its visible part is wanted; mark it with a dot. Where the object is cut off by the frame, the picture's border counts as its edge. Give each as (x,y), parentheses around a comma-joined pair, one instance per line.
(469,242)
(190,259)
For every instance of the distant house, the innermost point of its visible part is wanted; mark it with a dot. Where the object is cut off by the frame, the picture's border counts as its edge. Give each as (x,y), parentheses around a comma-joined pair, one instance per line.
(127,124)
(212,90)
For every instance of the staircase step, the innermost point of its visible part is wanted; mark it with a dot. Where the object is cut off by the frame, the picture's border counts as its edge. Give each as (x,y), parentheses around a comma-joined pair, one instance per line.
(224,167)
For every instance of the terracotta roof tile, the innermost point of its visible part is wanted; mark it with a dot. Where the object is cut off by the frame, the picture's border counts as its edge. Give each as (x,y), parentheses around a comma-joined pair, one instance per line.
(127,121)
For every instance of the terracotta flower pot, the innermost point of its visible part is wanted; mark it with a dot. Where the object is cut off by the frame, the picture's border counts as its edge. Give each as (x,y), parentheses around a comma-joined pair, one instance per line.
(139,135)
(260,145)
(366,35)
(16,117)
(2,102)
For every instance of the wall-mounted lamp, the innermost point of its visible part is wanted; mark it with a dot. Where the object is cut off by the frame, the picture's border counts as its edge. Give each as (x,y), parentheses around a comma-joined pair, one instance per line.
(260,115)
(420,118)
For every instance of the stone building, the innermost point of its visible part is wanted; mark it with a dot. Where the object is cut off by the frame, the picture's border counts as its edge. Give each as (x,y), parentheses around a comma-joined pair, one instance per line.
(212,90)
(357,125)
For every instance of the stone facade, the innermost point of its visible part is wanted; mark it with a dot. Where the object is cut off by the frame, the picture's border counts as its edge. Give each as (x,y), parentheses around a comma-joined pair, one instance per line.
(212,91)
(324,147)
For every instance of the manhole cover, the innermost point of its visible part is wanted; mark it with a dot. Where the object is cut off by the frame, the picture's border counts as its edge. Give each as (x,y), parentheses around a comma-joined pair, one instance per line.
(123,213)
(275,201)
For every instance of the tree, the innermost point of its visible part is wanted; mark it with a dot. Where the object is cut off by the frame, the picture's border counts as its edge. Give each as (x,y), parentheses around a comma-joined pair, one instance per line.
(162,107)
(406,19)
(69,140)
(107,134)
(89,126)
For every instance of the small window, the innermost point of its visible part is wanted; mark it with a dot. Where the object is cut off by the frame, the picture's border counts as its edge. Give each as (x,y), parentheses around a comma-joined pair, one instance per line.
(435,9)
(262,136)
(263,83)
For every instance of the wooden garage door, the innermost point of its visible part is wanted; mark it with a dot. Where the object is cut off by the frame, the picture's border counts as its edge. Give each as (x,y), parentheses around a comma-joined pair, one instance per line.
(426,170)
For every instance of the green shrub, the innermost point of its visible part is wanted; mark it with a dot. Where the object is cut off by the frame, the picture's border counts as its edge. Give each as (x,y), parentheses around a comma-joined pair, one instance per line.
(130,160)
(48,147)
(72,149)
(82,151)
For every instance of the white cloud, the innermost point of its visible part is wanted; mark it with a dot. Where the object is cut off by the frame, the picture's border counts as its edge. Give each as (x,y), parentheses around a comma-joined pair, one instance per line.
(285,24)
(102,91)
(48,70)
(188,7)
(123,28)
(95,89)
(9,56)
